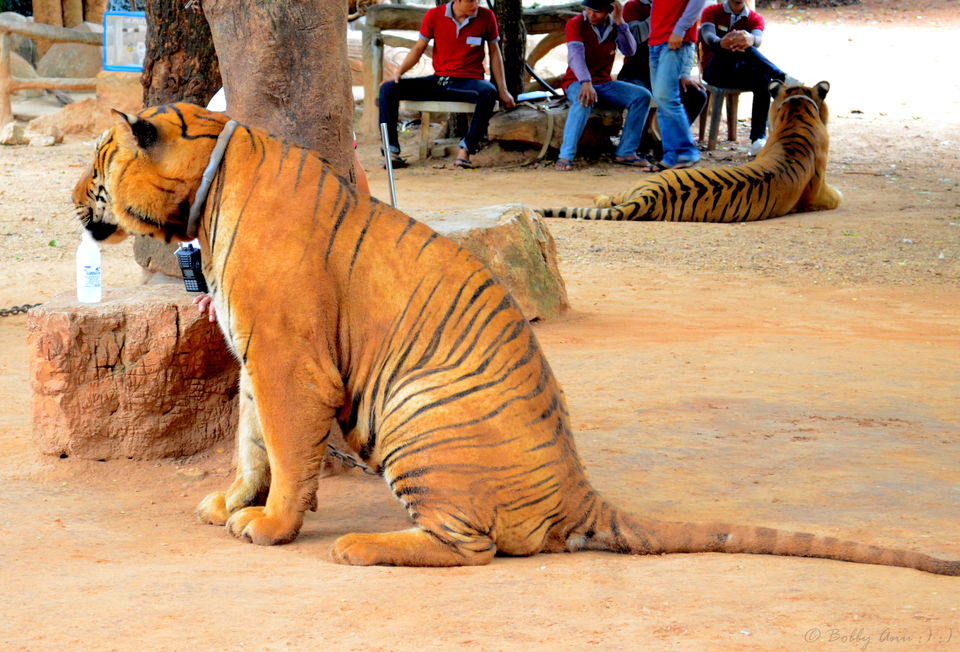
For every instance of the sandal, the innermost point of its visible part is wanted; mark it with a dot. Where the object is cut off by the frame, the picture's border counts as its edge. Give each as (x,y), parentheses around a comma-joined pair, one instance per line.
(631,161)
(563,165)
(395,162)
(655,166)
(464,164)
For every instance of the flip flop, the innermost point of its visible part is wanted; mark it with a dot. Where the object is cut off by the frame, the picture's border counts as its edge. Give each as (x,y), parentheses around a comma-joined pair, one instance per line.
(631,161)
(563,165)
(464,164)
(655,166)
(396,163)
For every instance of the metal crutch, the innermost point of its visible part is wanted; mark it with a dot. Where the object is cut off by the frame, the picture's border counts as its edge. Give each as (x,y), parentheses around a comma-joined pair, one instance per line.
(389,164)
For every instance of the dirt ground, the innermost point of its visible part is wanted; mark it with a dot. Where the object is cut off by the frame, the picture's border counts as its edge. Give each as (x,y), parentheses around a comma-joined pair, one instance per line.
(800,373)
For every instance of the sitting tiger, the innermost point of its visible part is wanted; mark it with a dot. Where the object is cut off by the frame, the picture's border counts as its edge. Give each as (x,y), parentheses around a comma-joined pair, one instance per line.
(397,333)
(787,176)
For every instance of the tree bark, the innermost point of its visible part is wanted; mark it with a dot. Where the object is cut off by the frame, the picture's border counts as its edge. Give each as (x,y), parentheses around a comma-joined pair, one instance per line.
(181,64)
(513,43)
(285,69)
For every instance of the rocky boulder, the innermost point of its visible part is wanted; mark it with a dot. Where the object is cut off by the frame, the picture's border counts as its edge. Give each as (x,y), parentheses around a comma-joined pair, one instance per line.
(516,245)
(532,126)
(73,59)
(21,69)
(140,375)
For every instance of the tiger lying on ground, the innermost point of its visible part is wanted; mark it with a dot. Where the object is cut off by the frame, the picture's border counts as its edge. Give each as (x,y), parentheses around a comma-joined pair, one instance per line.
(341,307)
(787,176)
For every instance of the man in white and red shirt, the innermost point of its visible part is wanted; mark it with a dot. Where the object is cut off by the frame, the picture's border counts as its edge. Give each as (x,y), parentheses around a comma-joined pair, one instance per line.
(593,38)
(459,30)
(730,33)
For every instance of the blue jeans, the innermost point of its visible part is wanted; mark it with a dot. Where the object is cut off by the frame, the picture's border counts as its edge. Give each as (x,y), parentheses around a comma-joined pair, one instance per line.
(636,99)
(666,68)
(477,91)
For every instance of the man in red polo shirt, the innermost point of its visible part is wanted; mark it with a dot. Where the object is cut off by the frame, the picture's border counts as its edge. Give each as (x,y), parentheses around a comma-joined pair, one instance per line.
(673,31)
(593,38)
(730,33)
(459,30)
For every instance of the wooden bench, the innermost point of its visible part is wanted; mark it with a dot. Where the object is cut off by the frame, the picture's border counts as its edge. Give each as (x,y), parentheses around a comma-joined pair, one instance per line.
(425,108)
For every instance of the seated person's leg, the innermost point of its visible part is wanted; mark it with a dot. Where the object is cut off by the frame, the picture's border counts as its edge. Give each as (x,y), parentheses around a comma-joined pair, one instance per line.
(758,115)
(576,122)
(760,65)
(414,88)
(636,100)
(693,100)
(484,95)
(723,70)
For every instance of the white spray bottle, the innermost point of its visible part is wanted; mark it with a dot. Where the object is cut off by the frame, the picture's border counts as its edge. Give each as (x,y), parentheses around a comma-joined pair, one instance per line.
(89,289)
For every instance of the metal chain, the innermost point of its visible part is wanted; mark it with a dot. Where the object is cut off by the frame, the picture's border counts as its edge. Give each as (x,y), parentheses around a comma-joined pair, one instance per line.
(350,460)
(5,312)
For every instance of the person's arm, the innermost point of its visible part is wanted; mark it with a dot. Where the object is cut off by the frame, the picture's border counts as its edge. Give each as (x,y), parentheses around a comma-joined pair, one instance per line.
(413,56)
(687,20)
(626,43)
(708,34)
(577,60)
(640,30)
(499,77)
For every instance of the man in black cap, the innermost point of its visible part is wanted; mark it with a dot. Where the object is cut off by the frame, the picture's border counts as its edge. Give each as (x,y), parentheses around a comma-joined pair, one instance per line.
(592,40)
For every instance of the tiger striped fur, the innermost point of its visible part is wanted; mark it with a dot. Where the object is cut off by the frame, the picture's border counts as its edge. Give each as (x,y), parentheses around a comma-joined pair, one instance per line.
(398,334)
(787,176)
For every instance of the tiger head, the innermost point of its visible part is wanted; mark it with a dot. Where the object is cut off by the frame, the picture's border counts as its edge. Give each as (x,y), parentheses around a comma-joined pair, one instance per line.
(782,95)
(146,172)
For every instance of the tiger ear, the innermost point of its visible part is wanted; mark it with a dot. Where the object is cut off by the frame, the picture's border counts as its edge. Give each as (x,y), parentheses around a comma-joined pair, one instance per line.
(143,132)
(775,87)
(821,89)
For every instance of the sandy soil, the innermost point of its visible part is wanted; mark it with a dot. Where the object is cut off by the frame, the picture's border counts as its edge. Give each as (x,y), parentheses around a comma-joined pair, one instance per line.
(800,373)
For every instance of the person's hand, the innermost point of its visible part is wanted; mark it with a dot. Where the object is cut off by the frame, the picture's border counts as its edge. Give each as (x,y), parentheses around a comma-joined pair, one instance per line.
(393,78)
(204,303)
(737,41)
(506,99)
(588,94)
(617,13)
(686,82)
(674,42)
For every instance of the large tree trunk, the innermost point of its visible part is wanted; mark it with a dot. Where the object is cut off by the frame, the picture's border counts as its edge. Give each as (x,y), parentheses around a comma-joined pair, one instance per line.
(285,69)
(181,64)
(513,43)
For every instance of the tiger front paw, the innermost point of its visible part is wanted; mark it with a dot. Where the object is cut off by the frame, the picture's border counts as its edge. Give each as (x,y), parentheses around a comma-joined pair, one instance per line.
(213,509)
(253,525)
(351,549)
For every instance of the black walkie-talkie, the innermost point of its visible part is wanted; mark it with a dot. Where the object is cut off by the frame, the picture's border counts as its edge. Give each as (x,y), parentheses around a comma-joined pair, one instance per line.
(189,258)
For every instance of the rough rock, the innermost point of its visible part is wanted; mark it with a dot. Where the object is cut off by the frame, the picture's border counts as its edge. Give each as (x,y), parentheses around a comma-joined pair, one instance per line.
(41,140)
(45,136)
(119,90)
(516,245)
(12,134)
(156,257)
(140,375)
(22,46)
(530,126)
(21,69)
(80,120)
(73,59)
